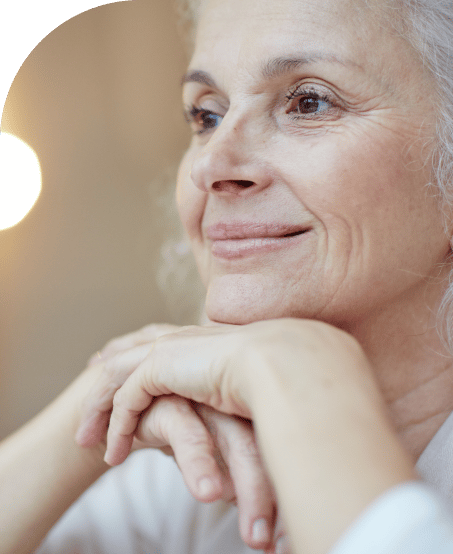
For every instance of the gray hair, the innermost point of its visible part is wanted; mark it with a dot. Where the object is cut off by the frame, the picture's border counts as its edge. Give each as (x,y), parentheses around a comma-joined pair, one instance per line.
(428,26)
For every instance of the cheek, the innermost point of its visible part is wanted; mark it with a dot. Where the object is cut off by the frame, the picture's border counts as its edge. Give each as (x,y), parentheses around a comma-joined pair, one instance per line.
(190,200)
(362,181)
(378,216)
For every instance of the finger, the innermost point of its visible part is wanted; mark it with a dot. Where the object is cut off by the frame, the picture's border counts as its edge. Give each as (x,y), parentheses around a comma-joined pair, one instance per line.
(254,491)
(128,404)
(95,411)
(172,421)
(146,334)
(118,366)
(281,539)
(280,542)
(193,363)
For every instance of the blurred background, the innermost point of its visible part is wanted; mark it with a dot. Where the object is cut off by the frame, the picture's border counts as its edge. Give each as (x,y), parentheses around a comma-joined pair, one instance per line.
(99,101)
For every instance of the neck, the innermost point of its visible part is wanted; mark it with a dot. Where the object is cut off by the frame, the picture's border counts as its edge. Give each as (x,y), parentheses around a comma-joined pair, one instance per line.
(413,367)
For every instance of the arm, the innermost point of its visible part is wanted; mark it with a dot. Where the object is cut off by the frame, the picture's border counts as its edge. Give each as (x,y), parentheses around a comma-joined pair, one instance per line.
(43,471)
(327,443)
(42,468)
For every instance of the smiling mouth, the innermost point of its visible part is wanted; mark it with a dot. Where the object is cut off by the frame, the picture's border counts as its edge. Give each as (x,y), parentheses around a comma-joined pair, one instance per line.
(253,230)
(241,240)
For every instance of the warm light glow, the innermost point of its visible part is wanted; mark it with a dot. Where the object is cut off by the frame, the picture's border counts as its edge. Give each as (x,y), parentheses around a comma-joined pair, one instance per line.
(20,180)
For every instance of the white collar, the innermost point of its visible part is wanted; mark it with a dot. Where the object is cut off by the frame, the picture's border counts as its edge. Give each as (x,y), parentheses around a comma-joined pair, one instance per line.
(435,464)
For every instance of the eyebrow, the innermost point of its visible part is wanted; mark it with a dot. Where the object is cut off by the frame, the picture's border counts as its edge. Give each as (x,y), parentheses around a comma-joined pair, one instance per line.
(198,77)
(276,67)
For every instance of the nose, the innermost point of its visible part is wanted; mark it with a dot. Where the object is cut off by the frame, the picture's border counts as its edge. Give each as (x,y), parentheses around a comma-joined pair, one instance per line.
(232,162)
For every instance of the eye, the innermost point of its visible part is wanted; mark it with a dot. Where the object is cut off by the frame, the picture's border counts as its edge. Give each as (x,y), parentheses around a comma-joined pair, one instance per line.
(311,104)
(306,102)
(202,120)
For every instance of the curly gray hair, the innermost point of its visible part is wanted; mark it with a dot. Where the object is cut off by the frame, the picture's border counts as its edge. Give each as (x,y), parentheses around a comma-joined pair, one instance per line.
(428,26)
(431,34)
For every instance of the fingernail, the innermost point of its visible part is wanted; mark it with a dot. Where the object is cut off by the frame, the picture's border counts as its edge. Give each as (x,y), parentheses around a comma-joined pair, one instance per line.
(282,545)
(261,531)
(205,486)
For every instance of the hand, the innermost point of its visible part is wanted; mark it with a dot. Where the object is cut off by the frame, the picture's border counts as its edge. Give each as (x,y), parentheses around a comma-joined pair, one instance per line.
(117,360)
(184,356)
(216,453)
(316,407)
(220,367)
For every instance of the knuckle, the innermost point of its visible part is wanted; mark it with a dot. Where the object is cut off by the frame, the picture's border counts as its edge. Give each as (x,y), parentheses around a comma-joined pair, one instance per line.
(193,439)
(175,420)
(114,373)
(246,449)
(239,436)
(108,391)
(117,399)
(198,438)
(172,406)
(110,369)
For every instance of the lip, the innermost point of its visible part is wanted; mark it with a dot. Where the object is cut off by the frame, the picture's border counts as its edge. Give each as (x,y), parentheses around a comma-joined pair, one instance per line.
(243,239)
(252,230)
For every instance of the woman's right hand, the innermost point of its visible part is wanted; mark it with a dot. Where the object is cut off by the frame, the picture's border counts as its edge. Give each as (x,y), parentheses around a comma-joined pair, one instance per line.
(216,453)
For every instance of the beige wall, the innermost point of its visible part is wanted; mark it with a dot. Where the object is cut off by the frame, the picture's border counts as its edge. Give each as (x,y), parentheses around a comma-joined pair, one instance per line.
(99,101)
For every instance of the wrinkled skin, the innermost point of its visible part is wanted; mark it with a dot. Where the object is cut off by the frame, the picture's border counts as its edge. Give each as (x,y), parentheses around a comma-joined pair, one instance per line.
(352,172)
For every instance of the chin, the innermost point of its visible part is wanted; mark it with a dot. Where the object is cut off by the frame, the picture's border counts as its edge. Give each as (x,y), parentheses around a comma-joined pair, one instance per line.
(236,300)
(233,317)
(242,299)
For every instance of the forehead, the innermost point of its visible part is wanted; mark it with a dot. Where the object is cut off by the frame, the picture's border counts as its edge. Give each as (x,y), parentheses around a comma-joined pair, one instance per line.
(255,21)
(241,35)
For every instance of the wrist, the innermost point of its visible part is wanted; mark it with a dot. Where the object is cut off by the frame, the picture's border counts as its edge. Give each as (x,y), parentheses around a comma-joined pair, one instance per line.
(67,409)
(318,415)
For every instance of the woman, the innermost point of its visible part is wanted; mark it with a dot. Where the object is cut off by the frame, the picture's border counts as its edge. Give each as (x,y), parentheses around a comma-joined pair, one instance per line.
(326,258)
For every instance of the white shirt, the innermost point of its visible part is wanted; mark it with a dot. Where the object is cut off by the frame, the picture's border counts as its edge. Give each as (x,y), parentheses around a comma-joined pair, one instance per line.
(143,507)
(413,518)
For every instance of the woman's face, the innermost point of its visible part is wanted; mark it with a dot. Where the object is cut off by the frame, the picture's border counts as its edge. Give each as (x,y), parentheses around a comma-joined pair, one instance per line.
(304,190)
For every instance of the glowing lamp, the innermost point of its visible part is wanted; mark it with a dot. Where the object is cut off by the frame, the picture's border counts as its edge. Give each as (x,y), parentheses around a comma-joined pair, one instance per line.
(20,180)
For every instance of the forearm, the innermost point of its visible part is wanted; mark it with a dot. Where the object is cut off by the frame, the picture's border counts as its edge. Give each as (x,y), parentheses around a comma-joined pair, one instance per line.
(42,472)
(328,455)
